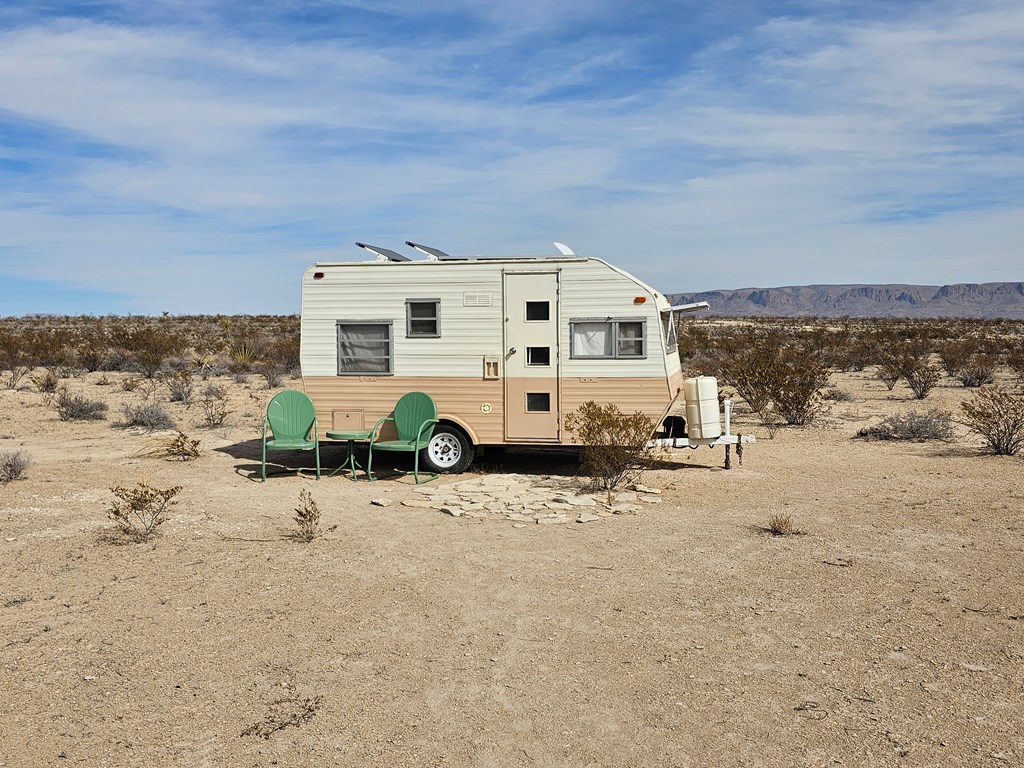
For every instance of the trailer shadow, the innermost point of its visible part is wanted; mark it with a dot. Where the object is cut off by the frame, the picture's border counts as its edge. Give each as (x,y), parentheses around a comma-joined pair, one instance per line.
(529,461)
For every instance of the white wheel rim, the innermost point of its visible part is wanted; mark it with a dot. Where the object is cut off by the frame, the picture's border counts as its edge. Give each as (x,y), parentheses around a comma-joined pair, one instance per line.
(445,450)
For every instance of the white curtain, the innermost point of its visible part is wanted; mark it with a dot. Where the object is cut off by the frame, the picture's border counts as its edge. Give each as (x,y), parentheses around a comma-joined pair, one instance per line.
(592,339)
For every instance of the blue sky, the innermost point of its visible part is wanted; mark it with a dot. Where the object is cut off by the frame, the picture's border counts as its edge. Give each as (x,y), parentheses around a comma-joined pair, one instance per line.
(194,156)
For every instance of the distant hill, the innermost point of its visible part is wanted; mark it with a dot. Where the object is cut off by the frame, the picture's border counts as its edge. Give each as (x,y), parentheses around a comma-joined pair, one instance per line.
(979,300)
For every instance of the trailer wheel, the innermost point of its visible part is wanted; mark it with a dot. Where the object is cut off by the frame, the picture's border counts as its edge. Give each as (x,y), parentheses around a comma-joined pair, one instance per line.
(449,450)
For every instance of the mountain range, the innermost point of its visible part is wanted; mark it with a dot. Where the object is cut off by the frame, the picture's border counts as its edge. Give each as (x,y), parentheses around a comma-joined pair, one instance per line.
(976,300)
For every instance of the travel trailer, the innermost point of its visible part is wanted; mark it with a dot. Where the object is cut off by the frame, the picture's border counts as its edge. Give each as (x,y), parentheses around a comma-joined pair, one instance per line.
(507,347)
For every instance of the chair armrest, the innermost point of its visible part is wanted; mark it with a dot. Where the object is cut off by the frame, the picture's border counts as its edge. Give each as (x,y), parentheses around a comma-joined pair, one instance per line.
(423,426)
(373,432)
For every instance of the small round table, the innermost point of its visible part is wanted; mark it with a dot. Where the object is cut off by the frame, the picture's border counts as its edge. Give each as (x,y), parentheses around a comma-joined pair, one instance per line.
(351,436)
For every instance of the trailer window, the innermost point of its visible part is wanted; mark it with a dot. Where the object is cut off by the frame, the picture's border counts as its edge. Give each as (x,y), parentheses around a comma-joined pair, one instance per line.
(668,332)
(538,402)
(608,338)
(423,318)
(538,355)
(364,347)
(538,311)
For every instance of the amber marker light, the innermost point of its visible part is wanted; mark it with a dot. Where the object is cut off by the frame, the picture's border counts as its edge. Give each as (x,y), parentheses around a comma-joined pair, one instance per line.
(640,300)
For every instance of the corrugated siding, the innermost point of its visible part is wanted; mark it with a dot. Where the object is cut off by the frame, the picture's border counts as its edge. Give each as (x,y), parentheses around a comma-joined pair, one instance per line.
(378,291)
(457,399)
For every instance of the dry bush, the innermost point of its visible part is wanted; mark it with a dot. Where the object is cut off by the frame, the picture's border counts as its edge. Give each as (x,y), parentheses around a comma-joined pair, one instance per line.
(614,445)
(178,447)
(138,511)
(307,517)
(214,405)
(921,376)
(150,346)
(45,382)
(180,385)
(978,370)
(998,416)
(146,415)
(74,406)
(934,424)
(13,465)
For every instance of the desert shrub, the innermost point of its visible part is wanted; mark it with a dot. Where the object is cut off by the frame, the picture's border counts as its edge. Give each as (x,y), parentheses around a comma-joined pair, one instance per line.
(977,370)
(796,382)
(1015,360)
(74,406)
(214,406)
(954,355)
(837,395)
(130,384)
(614,445)
(146,415)
(998,416)
(91,346)
(889,371)
(48,348)
(138,511)
(921,376)
(13,465)
(150,346)
(178,447)
(748,365)
(12,358)
(46,382)
(280,356)
(180,385)
(307,517)
(934,424)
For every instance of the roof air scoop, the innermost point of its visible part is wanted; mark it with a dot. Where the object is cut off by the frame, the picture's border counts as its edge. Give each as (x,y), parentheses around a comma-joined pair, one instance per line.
(564,249)
(433,254)
(383,254)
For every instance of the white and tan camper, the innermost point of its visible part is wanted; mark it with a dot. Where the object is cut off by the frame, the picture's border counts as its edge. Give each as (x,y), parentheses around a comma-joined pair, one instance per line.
(507,347)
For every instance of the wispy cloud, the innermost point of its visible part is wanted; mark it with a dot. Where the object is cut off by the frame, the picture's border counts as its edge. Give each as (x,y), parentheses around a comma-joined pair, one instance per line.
(196,156)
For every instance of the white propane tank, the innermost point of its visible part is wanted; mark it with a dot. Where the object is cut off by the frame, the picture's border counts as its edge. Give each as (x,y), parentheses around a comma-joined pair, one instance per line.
(703,419)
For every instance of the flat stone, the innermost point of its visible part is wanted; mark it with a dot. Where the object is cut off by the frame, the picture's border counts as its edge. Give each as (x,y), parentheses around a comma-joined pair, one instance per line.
(581,501)
(557,505)
(421,503)
(518,525)
(520,518)
(625,496)
(552,520)
(586,517)
(649,498)
(623,509)
(381,502)
(453,511)
(644,488)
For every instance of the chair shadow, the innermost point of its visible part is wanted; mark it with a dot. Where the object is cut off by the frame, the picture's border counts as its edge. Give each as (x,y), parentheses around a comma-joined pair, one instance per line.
(333,455)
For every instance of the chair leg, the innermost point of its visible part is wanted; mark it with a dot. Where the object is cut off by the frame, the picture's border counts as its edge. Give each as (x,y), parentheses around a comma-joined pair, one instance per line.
(316,448)
(263,463)
(369,464)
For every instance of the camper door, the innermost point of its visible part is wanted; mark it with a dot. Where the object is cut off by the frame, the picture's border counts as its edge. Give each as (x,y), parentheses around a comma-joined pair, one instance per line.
(531,356)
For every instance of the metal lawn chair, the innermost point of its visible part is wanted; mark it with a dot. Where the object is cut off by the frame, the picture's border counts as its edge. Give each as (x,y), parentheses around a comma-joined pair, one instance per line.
(414,418)
(291,417)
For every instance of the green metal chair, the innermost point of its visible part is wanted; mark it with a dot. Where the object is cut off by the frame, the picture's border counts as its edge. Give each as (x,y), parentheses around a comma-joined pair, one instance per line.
(291,417)
(414,418)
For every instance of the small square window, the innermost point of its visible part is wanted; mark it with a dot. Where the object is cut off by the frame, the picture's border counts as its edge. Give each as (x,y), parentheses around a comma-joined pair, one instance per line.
(538,311)
(422,318)
(538,402)
(538,355)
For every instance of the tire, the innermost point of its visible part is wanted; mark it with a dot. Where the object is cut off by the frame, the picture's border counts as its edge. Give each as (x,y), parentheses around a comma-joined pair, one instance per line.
(449,451)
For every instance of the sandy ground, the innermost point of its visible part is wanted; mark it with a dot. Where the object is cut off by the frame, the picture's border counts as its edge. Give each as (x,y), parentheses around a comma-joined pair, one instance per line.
(890,633)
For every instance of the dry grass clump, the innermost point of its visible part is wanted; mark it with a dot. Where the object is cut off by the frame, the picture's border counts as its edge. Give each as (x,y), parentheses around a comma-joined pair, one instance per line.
(13,465)
(918,426)
(214,406)
(781,524)
(307,518)
(178,447)
(138,511)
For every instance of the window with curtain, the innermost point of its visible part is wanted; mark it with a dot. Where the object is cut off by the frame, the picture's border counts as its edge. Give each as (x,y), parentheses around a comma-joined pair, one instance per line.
(365,347)
(608,339)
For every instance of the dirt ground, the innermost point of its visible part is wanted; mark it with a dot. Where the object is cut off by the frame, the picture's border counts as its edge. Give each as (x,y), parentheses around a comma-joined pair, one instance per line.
(890,633)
